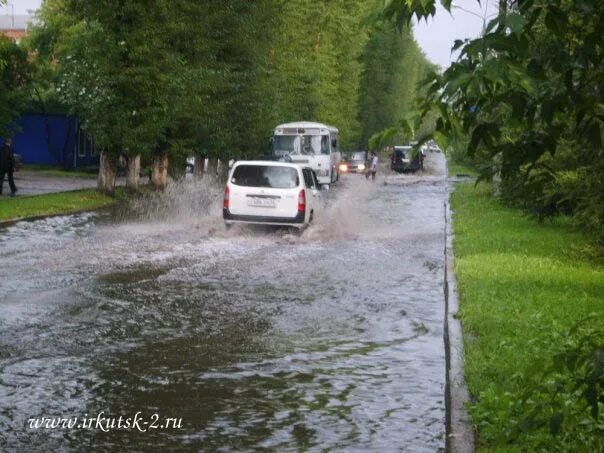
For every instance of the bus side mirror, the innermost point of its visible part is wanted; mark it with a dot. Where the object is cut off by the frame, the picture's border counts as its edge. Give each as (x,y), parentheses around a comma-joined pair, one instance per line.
(334,143)
(271,142)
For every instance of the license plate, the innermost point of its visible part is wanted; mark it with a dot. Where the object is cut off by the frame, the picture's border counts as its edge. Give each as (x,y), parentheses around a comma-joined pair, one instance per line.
(261,202)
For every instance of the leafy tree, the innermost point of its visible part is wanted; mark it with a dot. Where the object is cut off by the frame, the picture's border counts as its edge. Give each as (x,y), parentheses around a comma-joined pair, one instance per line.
(529,95)
(393,65)
(15,72)
(115,74)
(316,62)
(196,77)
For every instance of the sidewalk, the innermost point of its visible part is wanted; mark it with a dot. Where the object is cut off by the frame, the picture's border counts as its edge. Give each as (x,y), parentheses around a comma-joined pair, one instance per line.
(36,183)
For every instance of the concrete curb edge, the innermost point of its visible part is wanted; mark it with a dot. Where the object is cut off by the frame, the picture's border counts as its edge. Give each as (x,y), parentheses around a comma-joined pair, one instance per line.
(460,434)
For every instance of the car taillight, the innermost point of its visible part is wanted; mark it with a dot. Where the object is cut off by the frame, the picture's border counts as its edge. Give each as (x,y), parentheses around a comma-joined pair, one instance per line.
(302,201)
(227,197)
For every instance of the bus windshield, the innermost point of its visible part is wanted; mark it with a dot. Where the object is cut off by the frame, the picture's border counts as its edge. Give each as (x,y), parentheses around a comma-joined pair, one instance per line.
(286,144)
(314,145)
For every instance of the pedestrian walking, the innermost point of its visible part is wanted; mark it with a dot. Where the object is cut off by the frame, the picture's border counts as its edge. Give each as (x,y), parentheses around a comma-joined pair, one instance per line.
(7,165)
(373,166)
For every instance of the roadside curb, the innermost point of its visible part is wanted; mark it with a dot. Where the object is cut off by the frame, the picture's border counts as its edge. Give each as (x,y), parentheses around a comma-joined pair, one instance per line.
(460,435)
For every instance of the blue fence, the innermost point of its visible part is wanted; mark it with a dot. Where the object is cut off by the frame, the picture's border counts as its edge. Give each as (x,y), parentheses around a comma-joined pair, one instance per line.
(54,140)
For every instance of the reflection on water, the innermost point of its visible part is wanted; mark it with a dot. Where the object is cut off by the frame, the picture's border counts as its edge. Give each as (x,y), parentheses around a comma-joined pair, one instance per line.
(255,338)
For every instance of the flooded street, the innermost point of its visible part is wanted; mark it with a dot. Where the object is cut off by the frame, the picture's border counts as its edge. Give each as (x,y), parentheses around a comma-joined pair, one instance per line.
(249,338)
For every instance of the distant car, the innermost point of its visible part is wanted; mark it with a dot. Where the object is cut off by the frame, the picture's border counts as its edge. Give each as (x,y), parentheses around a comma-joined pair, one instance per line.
(355,162)
(432,146)
(403,159)
(270,193)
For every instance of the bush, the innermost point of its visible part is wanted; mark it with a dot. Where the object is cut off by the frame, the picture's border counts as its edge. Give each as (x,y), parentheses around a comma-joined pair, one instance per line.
(559,402)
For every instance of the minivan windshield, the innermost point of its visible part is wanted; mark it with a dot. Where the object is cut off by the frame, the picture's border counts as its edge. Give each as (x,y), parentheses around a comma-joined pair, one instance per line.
(269,176)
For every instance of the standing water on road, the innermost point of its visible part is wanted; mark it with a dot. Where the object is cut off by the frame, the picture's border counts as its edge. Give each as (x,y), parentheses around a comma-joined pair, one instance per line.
(243,339)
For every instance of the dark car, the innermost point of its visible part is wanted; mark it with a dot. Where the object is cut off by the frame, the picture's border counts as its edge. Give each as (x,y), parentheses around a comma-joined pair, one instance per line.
(404,160)
(355,162)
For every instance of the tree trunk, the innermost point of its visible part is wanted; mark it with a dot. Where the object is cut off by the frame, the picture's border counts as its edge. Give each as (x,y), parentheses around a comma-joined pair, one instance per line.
(200,162)
(134,170)
(107,172)
(212,167)
(223,171)
(159,171)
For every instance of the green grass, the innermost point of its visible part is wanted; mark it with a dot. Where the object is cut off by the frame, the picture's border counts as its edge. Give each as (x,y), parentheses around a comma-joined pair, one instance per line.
(523,287)
(54,171)
(459,169)
(54,203)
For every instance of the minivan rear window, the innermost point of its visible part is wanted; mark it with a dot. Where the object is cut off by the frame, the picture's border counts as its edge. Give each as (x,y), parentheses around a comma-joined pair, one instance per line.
(269,176)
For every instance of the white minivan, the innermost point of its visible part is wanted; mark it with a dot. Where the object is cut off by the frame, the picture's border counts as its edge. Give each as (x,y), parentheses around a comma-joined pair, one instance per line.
(270,193)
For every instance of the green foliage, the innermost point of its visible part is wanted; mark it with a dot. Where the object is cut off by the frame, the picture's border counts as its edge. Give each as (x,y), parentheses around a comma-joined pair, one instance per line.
(382,139)
(119,75)
(557,401)
(15,73)
(226,104)
(524,93)
(393,65)
(531,306)
(52,204)
(40,43)
(207,78)
(316,63)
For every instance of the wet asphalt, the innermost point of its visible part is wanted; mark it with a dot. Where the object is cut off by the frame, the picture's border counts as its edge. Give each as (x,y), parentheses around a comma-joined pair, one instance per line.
(251,338)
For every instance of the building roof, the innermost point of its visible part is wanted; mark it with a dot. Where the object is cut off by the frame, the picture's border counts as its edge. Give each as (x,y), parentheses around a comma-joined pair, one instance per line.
(15,21)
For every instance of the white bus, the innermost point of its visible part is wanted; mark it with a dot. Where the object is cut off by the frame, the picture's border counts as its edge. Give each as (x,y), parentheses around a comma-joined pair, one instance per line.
(312,144)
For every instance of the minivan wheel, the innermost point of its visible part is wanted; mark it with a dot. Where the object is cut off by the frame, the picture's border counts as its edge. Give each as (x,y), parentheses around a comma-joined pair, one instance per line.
(295,231)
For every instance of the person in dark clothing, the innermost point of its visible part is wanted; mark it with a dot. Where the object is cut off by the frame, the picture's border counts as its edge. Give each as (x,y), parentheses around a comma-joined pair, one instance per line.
(7,165)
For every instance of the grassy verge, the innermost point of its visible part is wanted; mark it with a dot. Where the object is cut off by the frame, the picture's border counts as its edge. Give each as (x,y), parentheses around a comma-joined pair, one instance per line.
(53,203)
(458,169)
(532,308)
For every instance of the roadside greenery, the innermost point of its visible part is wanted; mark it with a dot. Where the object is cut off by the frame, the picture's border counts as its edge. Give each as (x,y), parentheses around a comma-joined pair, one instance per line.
(528,98)
(392,70)
(52,204)
(14,78)
(531,298)
(165,79)
(455,169)
(532,304)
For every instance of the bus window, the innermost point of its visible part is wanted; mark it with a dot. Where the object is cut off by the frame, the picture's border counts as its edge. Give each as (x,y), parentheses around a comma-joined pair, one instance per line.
(316,144)
(325,144)
(286,144)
